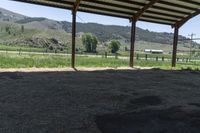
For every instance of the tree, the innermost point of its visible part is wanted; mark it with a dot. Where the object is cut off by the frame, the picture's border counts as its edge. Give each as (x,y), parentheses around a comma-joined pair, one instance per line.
(90,42)
(114,46)
(125,48)
(51,47)
(22,28)
(7,28)
(94,44)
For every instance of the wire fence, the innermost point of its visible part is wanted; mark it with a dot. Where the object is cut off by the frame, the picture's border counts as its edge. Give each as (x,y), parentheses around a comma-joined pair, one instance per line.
(184,58)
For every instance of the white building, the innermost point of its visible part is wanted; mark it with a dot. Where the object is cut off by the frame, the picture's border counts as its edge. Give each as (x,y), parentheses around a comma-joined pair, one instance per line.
(153,51)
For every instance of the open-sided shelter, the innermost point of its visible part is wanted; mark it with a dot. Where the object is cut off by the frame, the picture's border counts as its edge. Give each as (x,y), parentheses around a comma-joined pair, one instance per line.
(174,13)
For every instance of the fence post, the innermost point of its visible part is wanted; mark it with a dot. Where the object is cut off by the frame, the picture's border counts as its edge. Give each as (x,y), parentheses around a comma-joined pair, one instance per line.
(163,58)
(116,57)
(146,56)
(137,56)
(20,51)
(157,58)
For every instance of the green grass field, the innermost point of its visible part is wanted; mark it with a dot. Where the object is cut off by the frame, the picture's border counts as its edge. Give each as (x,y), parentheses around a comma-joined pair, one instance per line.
(28,49)
(14,60)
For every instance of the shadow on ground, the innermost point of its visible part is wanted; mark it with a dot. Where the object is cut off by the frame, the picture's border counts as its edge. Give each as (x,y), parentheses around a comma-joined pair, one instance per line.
(172,120)
(108,101)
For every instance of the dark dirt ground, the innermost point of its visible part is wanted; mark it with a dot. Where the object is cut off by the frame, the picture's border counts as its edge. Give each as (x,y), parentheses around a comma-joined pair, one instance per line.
(107,101)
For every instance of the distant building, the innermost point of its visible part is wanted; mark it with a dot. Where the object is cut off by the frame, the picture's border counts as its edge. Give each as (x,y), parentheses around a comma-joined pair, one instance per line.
(153,51)
(147,50)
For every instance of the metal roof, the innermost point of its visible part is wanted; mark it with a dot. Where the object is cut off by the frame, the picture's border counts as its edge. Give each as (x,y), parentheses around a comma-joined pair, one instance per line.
(169,12)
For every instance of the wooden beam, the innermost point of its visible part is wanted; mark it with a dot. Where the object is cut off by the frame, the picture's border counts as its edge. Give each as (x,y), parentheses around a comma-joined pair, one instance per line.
(106,9)
(132,47)
(46,3)
(125,7)
(176,5)
(146,7)
(112,4)
(166,9)
(76,5)
(127,13)
(183,21)
(73,39)
(175,43)
(190,2)
(131,2)
(105,14)
(164,14)
(61,2)
(74,12)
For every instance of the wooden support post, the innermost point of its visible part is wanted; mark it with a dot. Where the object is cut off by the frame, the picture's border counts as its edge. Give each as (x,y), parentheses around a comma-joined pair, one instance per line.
(175,43)
(132,48)
(74,11)
(73,38)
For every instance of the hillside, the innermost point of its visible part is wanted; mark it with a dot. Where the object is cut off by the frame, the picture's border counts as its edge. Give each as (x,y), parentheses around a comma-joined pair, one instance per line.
(9,16)
(39,32)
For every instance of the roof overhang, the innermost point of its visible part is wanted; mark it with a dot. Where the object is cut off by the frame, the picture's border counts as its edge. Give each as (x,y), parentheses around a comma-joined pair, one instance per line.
(169,12)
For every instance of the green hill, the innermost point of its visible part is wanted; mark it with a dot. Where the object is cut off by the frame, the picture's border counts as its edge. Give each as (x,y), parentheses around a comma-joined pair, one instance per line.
(16,29)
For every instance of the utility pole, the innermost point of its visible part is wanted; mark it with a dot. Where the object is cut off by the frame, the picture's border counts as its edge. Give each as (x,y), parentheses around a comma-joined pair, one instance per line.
(191,41)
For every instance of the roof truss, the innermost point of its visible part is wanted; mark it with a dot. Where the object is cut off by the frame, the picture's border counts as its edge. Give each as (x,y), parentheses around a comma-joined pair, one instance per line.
(170,12)
(183,21)
(76,5)
(145,7)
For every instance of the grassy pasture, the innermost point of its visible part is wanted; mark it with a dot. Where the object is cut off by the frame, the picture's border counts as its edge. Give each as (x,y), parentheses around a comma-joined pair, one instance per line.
(14,60)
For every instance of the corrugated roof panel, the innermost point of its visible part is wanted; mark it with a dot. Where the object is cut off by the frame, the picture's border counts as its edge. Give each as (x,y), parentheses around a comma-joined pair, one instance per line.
(51,3)
(167,12)
(164,11)
(116,2)
(141,1)
(133,3)
(102,12)
(172,7)
(161,16)
(195,1)
(156,20)
(107,7)
(188,3)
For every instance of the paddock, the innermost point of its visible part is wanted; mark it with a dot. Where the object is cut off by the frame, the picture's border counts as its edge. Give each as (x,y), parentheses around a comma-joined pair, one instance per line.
(108,100)
(170,13)
(99,101)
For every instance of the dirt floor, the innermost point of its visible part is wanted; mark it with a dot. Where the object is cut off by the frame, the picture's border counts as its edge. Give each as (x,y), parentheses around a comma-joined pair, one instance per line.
(105,101)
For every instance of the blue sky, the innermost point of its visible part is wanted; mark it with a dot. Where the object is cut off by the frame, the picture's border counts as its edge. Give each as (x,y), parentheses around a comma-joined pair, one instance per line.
(192,26)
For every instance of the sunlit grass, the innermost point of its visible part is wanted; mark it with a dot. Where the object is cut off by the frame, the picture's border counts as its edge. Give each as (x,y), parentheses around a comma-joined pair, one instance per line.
(13,60)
